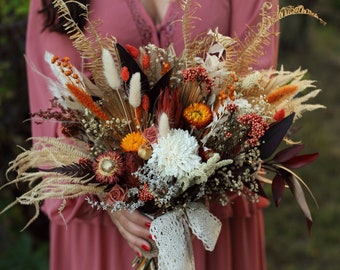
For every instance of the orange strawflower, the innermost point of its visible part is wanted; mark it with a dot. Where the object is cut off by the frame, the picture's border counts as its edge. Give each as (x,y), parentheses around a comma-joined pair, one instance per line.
(281,93)
(132,141)
(108,167)
(198,115)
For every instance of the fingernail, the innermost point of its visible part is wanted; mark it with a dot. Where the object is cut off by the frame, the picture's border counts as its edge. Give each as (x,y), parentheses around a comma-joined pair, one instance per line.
(139,255)
(145,247)
(147,224)
(150,237)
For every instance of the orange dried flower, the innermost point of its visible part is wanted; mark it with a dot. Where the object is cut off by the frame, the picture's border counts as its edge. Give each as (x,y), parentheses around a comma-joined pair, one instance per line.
(138,114)
(117,193)
(144,193)
(281,92)
(231,92)
(132,141)
(151,134)
(166,68)
(65,59)
(279,115)
(54,59)
(86,100)
(146,61)
(68,72)
(109,167)
(198,115)
(125,74)
(132,50)
(145,103)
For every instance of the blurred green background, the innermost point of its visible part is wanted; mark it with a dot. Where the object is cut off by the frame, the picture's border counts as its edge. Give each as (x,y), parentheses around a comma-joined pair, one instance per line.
(304,43)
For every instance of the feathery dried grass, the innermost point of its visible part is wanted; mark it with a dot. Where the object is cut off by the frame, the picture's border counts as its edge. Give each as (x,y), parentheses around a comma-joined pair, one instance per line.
(49,152)
(189,8)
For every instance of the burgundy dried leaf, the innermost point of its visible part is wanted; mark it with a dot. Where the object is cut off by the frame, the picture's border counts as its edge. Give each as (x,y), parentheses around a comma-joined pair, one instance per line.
(278,188)
(300,161)
(261,191)
(156,90)
(274,135)
(168,102)
(309,225)
(288,153)
(296,189)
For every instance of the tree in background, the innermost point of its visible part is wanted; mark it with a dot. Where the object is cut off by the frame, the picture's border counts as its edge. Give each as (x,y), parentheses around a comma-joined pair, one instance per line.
(27,250)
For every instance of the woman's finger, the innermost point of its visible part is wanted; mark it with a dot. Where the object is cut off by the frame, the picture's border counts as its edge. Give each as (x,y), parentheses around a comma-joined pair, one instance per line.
(134,227)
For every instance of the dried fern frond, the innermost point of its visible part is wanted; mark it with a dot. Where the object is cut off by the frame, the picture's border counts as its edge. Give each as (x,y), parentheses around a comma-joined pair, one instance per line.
(101,54)
(201,45)
(90,45)
(246,52)
(198,48)
(81,42)
(224,41)
(297,10)
(189,8)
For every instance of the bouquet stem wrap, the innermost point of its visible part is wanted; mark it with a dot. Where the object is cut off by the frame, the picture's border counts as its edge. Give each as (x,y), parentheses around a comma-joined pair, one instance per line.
(171,233)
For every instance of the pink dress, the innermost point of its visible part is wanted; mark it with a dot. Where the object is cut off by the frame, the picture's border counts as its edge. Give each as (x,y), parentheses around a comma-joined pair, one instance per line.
(89,240)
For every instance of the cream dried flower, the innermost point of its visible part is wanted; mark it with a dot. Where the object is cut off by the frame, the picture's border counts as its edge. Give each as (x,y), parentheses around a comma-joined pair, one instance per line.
(175,154)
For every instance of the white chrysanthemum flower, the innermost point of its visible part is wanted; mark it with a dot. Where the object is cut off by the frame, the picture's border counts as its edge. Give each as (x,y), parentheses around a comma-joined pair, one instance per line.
(175,154)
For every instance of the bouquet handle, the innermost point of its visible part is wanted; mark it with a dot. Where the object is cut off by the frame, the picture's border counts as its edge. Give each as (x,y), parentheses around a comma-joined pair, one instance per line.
(171,233)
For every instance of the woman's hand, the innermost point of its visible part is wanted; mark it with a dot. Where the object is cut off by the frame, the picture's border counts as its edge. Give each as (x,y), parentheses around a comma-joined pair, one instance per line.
(134,227)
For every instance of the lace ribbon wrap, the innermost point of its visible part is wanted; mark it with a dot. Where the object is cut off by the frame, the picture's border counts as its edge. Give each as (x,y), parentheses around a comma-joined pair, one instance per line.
(171,233)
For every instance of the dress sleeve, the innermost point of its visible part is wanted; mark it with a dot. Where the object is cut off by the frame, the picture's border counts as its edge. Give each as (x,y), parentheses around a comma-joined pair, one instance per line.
(37,42)
(248,14)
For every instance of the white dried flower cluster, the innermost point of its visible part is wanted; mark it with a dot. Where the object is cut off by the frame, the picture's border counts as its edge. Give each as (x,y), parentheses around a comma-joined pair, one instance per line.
(117,206)
(201,175)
